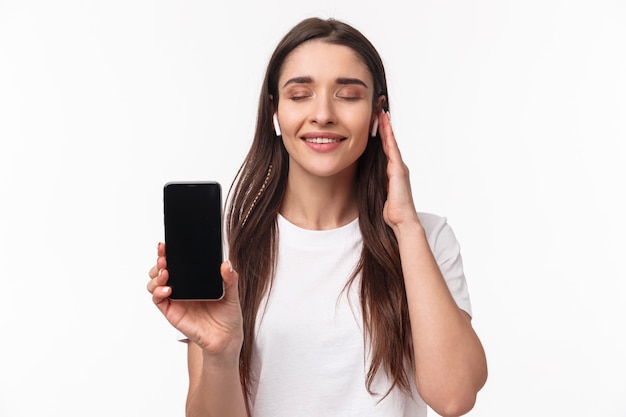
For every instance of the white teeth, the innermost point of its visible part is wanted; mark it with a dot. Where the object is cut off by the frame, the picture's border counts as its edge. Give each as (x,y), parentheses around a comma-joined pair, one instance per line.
(321,140)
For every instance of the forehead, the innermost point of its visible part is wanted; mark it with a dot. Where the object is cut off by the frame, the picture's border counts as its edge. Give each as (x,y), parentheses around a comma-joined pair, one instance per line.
(321,60)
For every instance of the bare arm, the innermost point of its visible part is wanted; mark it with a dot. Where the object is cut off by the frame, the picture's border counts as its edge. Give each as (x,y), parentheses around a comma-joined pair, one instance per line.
(450,363)
(215,333)
(214,385)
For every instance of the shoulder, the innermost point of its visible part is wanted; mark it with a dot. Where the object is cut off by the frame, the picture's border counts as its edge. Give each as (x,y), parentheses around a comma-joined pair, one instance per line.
(434,225)
(440,236)
(447,253)
(431,220)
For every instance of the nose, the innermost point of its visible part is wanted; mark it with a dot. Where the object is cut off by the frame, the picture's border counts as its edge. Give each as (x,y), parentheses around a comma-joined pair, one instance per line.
(323,111)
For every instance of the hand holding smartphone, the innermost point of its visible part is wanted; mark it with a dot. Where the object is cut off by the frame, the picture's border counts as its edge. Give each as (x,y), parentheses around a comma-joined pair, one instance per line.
(193,238)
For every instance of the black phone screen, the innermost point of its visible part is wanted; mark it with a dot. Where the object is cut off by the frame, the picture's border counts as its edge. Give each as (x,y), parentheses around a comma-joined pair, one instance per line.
(193,239)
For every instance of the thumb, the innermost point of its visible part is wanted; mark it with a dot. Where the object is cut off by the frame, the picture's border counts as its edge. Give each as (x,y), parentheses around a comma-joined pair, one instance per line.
(231,279)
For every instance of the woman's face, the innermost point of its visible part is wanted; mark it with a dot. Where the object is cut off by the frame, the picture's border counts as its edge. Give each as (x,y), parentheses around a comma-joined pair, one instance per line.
(324,109)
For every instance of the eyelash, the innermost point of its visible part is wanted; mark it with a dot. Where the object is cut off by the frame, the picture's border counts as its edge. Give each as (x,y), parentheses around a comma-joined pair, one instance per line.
(347,98)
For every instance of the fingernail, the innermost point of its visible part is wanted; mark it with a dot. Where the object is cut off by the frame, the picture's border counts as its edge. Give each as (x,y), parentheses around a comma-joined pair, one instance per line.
(164,289)
(159,275)
(230,266)
(389,116)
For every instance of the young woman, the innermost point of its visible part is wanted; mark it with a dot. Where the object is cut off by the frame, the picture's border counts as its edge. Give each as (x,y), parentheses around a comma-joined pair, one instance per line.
(341,299)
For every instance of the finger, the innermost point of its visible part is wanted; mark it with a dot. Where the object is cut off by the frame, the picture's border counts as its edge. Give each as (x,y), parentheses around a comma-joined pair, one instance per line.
(163,276)
(160,296)
(151,285)
(158,281)
(154,271)
(390,145)
(161,262)
(160,265)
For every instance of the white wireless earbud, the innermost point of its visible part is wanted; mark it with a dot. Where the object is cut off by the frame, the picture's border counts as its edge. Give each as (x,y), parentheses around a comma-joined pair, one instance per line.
(276,125)
(375,127)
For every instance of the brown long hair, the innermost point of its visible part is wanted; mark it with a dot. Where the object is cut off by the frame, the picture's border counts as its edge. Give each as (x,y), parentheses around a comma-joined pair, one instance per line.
(256,195)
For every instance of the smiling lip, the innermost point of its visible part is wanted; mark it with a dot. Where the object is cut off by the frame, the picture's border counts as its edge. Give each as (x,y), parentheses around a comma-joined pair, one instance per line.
(322,137)
(322,141)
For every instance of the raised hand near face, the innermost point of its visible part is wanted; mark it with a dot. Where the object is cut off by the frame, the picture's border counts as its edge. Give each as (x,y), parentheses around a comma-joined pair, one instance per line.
(399,208)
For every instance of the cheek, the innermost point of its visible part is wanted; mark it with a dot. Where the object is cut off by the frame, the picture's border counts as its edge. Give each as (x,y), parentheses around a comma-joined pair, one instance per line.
(289,118)
(361,124)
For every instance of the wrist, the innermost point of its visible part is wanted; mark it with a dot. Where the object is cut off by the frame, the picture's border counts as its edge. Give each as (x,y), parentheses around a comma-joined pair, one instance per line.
(221,361)
(409,227)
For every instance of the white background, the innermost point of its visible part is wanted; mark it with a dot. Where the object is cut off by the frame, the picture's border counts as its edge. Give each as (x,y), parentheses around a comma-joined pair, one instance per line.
(510,114)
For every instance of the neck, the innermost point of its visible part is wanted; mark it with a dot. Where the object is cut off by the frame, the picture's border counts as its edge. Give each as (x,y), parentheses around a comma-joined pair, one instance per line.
(320,203)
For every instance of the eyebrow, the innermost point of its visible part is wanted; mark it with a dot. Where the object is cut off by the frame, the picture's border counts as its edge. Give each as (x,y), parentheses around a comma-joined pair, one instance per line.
(340,81)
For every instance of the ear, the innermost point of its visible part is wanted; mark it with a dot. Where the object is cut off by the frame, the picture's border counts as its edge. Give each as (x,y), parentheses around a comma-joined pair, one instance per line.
(377,109)
(380,103)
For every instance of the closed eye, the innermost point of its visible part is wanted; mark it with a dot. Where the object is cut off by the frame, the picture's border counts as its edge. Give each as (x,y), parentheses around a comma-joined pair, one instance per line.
(351,93)
(297,97)
(349,98)
(297,92)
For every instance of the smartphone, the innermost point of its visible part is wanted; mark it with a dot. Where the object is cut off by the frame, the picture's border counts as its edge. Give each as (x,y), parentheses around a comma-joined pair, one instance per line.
(192,213)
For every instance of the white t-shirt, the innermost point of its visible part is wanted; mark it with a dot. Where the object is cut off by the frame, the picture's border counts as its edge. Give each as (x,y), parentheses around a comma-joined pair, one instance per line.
(309,357)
